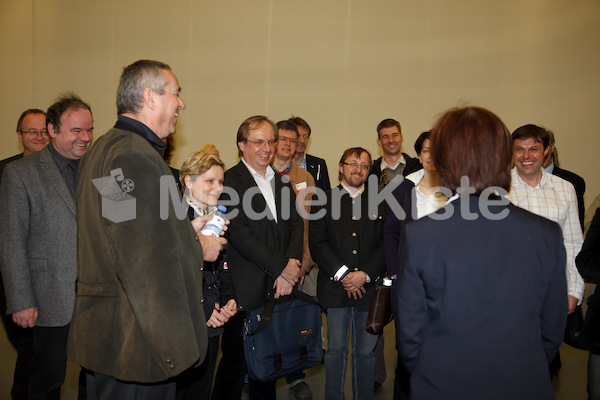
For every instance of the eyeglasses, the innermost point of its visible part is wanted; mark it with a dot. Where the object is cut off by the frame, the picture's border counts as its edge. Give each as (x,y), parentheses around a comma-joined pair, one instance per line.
(287,139)
(261,143)
(357,165)
(35,132)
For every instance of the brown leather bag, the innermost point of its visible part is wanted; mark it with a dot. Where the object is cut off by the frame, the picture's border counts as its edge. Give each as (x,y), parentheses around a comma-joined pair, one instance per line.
(380,313)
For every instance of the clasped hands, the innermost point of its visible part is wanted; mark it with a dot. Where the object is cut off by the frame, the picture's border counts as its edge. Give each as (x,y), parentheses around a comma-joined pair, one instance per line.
(289,277)
(354,283)
(220,315)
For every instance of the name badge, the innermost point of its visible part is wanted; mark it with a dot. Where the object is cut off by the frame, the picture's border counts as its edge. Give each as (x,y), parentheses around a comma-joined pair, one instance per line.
(300,186)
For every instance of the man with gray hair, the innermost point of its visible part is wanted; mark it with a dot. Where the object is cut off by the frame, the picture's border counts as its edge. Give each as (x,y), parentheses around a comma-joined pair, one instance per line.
(38,247)
(138,320)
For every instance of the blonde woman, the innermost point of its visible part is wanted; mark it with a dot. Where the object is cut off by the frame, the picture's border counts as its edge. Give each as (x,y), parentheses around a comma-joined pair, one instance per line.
(201,177)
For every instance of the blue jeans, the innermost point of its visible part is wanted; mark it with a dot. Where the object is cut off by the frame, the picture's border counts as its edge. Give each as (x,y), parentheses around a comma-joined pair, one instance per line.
(339,323)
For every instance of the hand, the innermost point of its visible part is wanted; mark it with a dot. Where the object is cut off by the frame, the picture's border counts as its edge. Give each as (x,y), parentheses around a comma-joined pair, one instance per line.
(199,222)
(354,280)
(291,272)
(356,293)
(572,303)
(211,246)
(216,319)
(354,284)
(282,287)
(26,318)
(230,309)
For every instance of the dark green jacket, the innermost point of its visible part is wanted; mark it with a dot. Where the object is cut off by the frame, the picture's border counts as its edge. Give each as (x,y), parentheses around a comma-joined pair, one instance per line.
(138,312)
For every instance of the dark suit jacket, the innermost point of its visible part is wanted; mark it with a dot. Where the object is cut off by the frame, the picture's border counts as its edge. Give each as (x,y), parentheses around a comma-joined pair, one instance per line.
(412,165)
(588,260)
(393,228)
(259,248)
(318,169)
(38,239)
(579,185)
(481,304)
(139,314)
(341,239)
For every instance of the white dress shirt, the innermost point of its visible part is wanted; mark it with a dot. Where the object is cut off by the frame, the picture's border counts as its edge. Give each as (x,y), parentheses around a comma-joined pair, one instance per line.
(425,204)
(264,184)
(554,198)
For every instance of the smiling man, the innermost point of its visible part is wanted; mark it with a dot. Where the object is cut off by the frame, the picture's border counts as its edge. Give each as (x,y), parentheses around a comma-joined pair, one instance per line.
(32,134)
(138,320)
(38,246)
(549,196)
(265,245)
(393,162)
(344,240)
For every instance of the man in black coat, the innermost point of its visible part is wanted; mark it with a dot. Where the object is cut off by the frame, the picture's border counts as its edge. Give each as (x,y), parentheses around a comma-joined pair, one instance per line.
(347,244)
(265,243)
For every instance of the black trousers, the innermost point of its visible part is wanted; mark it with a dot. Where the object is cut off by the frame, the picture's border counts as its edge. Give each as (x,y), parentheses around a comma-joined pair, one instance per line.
(42,362)
(232,366)
(104,387)
(195,383)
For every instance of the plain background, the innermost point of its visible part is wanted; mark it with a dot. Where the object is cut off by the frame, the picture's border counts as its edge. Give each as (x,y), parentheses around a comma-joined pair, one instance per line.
(343,65)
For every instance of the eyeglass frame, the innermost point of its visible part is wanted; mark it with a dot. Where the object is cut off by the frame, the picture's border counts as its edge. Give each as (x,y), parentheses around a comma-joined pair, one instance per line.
(261,143)
(35,132)
(287,139)
(354,164)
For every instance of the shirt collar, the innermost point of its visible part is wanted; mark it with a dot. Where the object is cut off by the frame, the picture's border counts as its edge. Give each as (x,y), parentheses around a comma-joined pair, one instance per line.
(545,182)
(60,160)
(385,165)
(288,169)
(269,173)
(144,131)
(550,168)
(353,194)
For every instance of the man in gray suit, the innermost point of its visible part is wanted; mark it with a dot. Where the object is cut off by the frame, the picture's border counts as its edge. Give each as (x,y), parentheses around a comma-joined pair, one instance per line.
(38,244)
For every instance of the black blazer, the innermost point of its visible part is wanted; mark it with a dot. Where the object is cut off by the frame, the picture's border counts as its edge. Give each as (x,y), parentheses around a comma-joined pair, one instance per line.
(338,240)
(579,185)
(318,169)
(481,303)
(259,249)
(588,260)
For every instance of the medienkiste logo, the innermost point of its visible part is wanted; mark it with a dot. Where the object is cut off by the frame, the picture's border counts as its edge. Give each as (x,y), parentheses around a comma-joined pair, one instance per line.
(117,205)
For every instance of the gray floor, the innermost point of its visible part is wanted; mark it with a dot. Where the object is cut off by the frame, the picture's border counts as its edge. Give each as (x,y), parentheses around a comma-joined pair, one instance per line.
(571,384)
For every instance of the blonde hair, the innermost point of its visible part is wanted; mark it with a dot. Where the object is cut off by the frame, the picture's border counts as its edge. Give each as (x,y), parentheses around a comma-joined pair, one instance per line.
(196,164)
(210,149)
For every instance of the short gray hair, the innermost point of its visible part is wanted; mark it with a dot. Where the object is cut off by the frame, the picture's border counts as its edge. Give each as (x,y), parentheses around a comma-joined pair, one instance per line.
(135,78)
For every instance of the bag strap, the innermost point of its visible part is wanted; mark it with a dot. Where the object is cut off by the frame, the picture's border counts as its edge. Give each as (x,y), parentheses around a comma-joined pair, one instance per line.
(265,316)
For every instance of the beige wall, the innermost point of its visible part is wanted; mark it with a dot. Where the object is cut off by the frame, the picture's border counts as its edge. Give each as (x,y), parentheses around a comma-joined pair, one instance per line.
(342,65)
